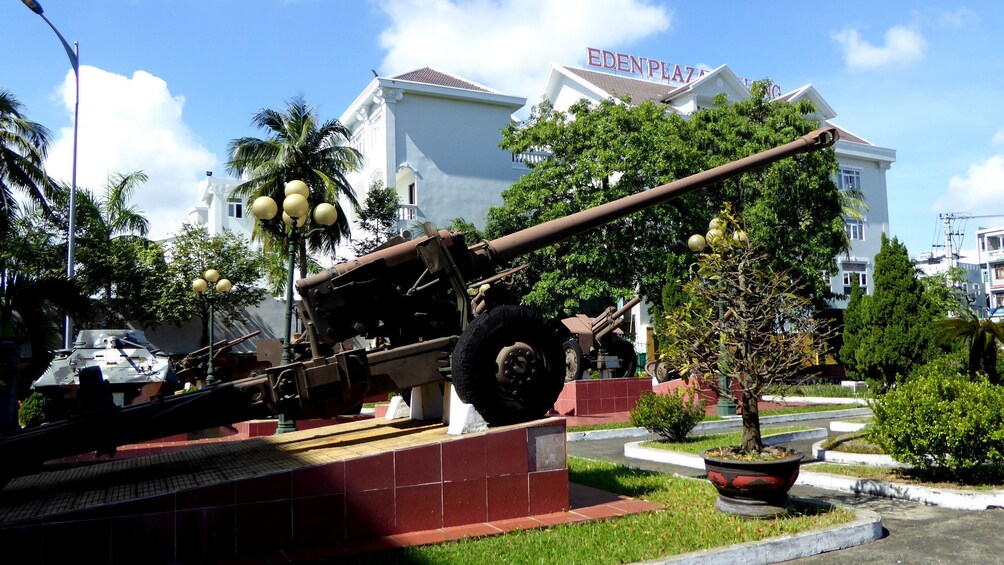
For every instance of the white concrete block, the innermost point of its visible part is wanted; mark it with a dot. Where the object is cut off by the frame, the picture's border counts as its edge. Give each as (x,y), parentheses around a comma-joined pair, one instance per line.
(398,408)
(427,402)
(463,418)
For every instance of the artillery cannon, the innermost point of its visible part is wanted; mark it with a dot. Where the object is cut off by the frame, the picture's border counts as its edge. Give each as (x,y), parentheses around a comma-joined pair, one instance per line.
(595,340)
(418,299)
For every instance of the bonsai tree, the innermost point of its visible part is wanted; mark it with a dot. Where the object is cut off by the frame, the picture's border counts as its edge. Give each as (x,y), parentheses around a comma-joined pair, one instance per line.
(744,320)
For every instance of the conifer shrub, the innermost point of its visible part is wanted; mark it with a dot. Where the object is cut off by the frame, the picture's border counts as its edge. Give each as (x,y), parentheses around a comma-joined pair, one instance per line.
(31,413)
(942,421)
(671,416)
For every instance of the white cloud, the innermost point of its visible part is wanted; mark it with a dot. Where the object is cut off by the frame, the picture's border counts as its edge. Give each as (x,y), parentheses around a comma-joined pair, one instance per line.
(903,46)
(981,189)
(500,43)
(129,124)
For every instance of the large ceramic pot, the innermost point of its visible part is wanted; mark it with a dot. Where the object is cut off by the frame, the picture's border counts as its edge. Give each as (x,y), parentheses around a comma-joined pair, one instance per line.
(756,489)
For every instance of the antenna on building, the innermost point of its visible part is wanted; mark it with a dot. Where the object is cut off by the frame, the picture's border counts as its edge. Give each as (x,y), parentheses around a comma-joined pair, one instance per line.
(209,173)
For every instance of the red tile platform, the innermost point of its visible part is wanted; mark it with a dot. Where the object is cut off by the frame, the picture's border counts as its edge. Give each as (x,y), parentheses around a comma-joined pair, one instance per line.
(342,484)
(600,396)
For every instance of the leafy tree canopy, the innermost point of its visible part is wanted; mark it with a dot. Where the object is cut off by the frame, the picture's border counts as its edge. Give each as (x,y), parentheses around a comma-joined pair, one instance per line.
(601,152)
(377,218)
(193,252)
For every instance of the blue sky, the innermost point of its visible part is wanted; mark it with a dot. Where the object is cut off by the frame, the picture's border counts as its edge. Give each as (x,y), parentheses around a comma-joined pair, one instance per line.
(166,84)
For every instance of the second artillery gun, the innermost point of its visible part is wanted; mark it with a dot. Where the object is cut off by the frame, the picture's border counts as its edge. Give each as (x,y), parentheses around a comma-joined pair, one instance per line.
(435,307)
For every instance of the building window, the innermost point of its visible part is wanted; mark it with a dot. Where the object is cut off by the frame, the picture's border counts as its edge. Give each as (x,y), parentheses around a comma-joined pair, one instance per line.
(852,272)
(855,230)
(235,208)
(849,179)
(412,194)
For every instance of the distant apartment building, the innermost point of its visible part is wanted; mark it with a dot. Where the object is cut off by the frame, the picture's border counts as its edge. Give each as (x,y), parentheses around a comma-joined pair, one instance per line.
(990,259)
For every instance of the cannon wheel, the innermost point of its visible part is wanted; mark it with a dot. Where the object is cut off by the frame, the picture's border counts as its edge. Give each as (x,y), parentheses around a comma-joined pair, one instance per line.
(573,360)
(508,365)
(624,351)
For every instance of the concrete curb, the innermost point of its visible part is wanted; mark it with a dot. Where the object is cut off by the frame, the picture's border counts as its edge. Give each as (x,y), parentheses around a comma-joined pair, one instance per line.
(847,427)
(869,459)
(715,426)
(866,527)
(947,498)
(636,451)
(816,399)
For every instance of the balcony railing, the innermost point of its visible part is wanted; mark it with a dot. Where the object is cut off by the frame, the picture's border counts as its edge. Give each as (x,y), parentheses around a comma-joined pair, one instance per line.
(528,158)
(407,212)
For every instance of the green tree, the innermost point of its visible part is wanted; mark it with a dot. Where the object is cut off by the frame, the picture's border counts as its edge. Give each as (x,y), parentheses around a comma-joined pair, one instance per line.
(34,294)
(892,329)
(600,152)
(377,218)
(118,266)
(299,147)
(981,338)
(191,253)
(744,320)
(23,146)
(596,154)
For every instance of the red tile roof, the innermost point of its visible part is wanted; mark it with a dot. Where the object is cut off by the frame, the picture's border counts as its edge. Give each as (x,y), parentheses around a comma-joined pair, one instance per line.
(427,75)
(618,86)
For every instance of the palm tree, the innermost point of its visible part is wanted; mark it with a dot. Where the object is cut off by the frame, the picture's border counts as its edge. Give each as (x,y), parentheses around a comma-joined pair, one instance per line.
(982,339)
(23,145)
(108,230)
(298,147)
(32,292)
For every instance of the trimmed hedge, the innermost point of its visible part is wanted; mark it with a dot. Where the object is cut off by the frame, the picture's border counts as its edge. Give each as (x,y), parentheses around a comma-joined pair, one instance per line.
(672,416)
(941,420)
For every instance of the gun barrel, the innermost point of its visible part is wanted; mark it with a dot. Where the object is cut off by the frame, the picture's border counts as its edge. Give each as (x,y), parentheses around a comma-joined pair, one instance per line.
(560,229)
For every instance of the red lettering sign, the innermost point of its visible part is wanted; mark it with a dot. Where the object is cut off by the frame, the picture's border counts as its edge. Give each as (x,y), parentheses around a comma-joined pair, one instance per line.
(593,57)
(622,63)
(608,60)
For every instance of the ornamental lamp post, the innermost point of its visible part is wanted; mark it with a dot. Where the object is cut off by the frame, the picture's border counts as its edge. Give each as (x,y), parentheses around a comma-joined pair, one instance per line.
(212,287)
(74,56)
(697,243)
(295,215)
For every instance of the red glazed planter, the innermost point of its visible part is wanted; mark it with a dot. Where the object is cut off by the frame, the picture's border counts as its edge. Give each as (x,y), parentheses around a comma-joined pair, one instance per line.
(754,489)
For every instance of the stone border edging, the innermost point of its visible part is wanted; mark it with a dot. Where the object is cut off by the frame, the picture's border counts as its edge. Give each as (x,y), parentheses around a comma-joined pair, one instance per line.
(866,527)
(816,399)
(948,498)
(635,450)
(721,425)
(869,459)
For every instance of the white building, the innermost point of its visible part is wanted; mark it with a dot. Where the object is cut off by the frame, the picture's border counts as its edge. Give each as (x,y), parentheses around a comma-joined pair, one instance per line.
(435,137)
(990,261)
(218,210)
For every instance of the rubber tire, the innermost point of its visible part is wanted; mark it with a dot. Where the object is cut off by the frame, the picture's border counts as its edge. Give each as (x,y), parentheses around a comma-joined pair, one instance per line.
(624,351)
(474,366)
(574,372)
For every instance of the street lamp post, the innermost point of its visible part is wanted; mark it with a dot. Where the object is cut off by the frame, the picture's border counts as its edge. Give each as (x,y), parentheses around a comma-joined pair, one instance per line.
(296,213)
(212,286)
(697,243)
(74,56)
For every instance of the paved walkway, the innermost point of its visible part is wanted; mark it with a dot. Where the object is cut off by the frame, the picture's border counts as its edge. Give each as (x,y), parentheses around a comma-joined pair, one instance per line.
(915,533)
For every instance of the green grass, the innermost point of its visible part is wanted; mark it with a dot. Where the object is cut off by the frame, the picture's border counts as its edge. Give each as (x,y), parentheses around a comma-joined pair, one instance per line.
(854,442)
(688,523)
(983,478)
(698,443)
(827,391)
